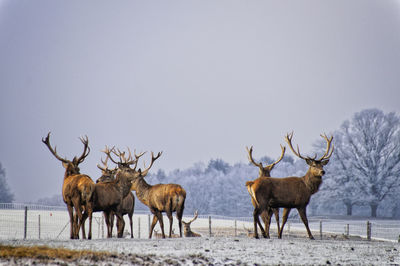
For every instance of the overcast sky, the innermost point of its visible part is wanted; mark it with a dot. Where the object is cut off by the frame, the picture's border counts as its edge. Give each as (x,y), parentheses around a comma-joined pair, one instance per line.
(195,79)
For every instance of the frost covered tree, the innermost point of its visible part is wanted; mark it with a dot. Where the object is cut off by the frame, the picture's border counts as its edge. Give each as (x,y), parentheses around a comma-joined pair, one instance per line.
(367,157)
(6,196)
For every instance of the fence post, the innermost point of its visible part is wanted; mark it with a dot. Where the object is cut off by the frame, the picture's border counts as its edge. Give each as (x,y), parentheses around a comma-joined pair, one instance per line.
(39,226)
(25,221)
(139,227)
(368,230)
(347,229)
(209,226)
(102,226)
(235,228)
(320,229)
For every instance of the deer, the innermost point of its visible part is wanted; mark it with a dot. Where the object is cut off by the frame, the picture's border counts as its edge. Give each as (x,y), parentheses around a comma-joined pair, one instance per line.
(159,198)
(264,172)
(108,197)
(125,207)
(291,192)
(77,190)
(186,227)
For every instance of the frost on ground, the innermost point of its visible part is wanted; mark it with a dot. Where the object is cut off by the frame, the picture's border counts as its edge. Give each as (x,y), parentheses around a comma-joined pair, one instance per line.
(222,251)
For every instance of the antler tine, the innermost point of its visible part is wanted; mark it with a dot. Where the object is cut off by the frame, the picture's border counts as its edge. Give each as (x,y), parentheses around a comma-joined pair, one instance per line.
(250,157)
(86,148)
(194,218)
(283,148)
(153,159)
(107,151)
(53,151)
(288,139)
(329,151)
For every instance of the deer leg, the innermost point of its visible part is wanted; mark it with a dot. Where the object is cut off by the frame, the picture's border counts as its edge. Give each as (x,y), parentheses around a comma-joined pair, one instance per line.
(169,215)
(256,221)
(285,216)
(71,221)
(130,223)
(120,225)
(303,216)
(90,213)
(78,208)
(276,213)
(179,214)
(160,220)
(109,218)
(266,215)
(84,217)
(155,219)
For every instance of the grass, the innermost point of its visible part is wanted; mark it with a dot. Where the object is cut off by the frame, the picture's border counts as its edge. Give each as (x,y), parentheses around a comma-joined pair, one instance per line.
(47,253)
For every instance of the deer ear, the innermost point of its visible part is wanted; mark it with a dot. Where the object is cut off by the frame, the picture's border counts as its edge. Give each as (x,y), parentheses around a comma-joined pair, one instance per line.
(65,165)
(325,162)
(309,161)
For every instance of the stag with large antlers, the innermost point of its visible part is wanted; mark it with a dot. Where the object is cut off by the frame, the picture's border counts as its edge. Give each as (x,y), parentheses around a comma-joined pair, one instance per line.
(292,192)
(77,190)
(159,198)
(264,172)
(108,197)
(125,207)
(186,227)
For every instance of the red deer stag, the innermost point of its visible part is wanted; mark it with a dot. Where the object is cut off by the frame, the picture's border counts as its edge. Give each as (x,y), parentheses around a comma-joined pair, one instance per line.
(292,192)
(77,190)
(127,205)
(186,227)
(264,171)
(108,196)
(160,198)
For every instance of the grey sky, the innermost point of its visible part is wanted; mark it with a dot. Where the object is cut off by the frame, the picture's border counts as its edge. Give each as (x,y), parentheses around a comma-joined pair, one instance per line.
(195,79)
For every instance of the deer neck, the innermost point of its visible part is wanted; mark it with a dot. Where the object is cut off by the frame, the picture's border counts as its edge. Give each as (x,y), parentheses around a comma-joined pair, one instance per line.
(123,185)
(142,191)
(312,182)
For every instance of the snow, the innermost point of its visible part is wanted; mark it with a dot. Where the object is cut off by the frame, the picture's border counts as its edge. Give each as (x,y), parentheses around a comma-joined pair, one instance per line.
(240,250)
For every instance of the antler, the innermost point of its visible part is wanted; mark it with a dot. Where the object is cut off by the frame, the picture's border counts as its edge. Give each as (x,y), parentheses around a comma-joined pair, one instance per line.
(327,154)
(288,139)
(144,173)
(86,149)
(250,157)
(283,148)
(195,217)
(53,151)
(104,163)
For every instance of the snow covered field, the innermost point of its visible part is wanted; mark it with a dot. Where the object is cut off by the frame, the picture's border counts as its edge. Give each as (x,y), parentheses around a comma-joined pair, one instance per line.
(231,250)
(222,248)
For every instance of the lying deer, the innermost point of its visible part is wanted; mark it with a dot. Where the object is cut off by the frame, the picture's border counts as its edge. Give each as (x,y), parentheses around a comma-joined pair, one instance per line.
(264,171)
(77,190)
(186,227)
(291,192)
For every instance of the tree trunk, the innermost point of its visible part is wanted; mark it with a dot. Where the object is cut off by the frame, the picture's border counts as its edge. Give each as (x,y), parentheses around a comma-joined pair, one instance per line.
(374,208)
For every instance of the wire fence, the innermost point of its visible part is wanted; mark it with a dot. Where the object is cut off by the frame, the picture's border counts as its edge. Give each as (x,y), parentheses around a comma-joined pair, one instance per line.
(24,221)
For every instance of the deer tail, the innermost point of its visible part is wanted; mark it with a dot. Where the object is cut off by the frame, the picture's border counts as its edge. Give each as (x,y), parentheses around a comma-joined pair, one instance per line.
(250,189)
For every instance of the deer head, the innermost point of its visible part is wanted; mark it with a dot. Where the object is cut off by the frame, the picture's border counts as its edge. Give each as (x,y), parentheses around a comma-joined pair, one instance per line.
(141,174)
(264,170)
(71,167)
(186,225)
(316,165)
(107,174)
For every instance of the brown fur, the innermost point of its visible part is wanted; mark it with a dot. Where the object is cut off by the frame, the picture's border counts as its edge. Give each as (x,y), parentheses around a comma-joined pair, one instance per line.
(290,192)
(161,198)
(77,191)
(264,171)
